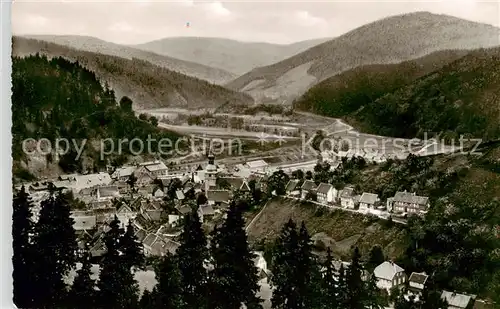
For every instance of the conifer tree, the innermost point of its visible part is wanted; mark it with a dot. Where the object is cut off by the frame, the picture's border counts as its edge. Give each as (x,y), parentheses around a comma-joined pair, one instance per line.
(329,284)
(131,248)
(283,267)
(342,294)
(305,269)
(167,292)
(147,301)
(374,299)
(355,290)
(22,258)
(375,258)
(55,245)
(83,294)
(192,255)
(117,286)
(234,278)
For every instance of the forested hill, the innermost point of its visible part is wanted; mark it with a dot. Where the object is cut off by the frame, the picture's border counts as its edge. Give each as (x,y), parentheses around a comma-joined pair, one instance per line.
(445,92)
(148,85)
(57,98)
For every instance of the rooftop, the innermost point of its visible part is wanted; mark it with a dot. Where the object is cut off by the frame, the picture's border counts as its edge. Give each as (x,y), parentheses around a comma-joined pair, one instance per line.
(456,300)
(308,185)
(218,195)
(412,198)
(368,198)
(419,278)
(256,164)
(387,270)
(292,184)
(324,188)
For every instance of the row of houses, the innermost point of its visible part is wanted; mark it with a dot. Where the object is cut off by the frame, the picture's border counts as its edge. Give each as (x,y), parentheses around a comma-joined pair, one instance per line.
(402,202)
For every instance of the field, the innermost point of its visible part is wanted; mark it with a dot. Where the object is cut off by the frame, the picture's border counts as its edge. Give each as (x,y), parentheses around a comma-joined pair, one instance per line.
(338,229)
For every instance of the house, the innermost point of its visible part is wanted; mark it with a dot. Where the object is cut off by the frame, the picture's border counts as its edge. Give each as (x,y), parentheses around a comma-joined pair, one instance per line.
(183,210)
(261,264)
(258,166)
(84,223)
(458,301)
(156,169)
(98,249)
(291,188)
(232,183)
(140,234)
(406,202)
(89,181)
(416,282)
(123,173)
(307,187)
(483,304)
(347,198)
(179,195)
(155,245)
(125,214)
(158,192)
(389,275)
(368,201)
(326,193)
(206,212)
(173,219)
(107,192)
(217,197)
(153,211)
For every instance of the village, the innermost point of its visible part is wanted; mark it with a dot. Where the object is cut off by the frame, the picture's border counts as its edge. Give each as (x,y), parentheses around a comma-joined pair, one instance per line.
(155,201)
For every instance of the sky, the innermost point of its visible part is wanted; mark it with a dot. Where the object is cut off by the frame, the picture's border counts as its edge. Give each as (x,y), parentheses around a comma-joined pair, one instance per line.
(282,22)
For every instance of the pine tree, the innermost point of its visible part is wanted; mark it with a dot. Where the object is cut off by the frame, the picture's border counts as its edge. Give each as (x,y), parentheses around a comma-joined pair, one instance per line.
(22,258)
(192,255)
(305,269)
(283,267)
(117,286)
(131,248)
(234,278)
(374,299)
(55,245)
(83,294)
(147,301)
(376,257)
(329,284)
(168,292)
(342,295)
(431,297)
(355,290)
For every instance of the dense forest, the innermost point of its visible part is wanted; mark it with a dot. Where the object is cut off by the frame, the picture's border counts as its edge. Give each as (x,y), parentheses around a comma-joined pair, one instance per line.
(445,93)
(60,99)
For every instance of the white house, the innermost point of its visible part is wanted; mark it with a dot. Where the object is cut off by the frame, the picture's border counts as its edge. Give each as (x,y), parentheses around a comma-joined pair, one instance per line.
(457,300)
(406,202)
(291,188)
(416,282)
(258,166)
(307,187)
(389,275)
(368,201)
(326,193)
(347,198)
(156,168)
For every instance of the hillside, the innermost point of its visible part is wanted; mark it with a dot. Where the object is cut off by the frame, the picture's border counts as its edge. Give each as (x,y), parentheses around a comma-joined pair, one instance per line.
(460,97)
(95,45)
(58,99)
(230,55)
(148,85)
(390,40)
(457,240)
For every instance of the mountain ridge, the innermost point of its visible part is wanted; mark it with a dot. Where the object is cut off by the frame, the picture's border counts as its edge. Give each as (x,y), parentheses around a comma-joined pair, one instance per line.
(96,45)
(235,56)
(389,40)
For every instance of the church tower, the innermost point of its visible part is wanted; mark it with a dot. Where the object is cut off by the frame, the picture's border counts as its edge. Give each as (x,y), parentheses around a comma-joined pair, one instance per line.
(210,173)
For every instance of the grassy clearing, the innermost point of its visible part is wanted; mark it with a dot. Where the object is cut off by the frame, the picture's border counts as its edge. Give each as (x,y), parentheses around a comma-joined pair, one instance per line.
(345,228)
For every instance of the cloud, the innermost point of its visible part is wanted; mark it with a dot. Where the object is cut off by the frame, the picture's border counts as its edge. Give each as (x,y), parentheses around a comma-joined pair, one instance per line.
(308,20)
(217,9)
(36,20)
(121,27)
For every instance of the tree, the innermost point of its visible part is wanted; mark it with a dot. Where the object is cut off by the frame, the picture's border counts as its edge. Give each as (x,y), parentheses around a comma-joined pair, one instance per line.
(277,182)
(167,293)
(291,269)
(201,199)
(376,257)
(282,267)
(154,121)
(55,248)
(117,286)
(147,300)
(22,257)
(131,181)
(298,174)
(192,255)
(143,117)
(131,248)
(234,278)
(83,294)
(309,175)
(224,184)
(126,104)
(355,290)
(329,291)
(374,299)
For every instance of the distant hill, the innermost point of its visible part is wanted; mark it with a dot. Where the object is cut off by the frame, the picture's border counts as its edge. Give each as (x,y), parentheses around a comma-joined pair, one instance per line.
(390,40)
(450,92)
(230,55)
(95,45)
(148,85)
